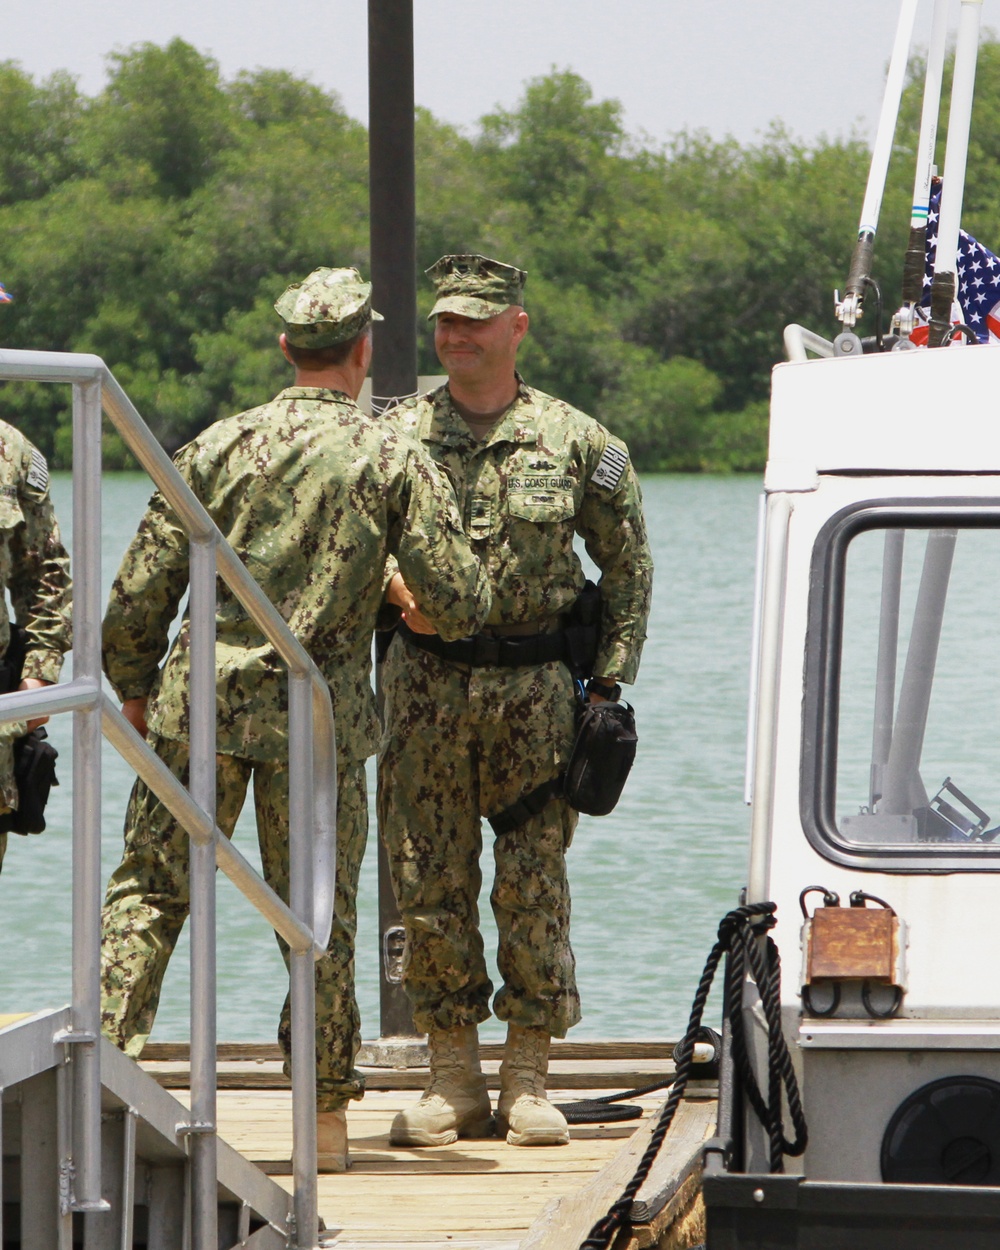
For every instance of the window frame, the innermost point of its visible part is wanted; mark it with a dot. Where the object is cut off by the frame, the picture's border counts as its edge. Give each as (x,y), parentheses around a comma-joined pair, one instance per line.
(821,683)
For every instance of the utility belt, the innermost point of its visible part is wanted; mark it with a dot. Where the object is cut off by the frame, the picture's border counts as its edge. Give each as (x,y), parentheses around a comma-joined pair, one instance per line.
(572,638)
(492,649)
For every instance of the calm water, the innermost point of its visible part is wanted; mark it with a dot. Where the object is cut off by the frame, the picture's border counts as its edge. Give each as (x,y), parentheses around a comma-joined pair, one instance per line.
(649,881)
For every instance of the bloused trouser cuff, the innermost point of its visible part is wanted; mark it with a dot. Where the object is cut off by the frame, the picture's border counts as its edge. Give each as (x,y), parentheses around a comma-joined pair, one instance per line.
(148,899)
(458,744)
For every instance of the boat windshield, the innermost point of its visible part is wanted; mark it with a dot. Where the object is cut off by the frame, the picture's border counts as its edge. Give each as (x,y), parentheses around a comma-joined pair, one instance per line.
(909,691)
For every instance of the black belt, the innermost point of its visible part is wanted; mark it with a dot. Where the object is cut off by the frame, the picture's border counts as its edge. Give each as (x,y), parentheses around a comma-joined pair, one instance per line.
(487,651)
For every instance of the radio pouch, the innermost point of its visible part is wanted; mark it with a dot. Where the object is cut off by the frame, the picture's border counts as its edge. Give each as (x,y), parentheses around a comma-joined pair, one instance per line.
(602,757)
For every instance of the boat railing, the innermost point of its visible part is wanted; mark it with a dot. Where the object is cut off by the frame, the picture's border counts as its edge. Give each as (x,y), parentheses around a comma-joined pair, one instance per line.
(799,342)
(305,923)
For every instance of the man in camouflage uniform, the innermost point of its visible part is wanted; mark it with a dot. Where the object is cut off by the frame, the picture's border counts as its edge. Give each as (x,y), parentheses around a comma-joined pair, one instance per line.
(313,495)
(34,570)
(472,728)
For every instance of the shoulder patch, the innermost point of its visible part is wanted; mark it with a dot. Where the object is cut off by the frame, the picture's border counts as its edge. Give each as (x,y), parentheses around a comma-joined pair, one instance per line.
(38,471)
(610,467)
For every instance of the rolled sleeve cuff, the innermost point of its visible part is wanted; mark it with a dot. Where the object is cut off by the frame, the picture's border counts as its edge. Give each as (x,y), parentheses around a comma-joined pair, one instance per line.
(43,665)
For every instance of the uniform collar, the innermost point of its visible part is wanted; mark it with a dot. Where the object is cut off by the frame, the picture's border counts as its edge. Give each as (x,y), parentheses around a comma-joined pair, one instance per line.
(519,424)
(321,393)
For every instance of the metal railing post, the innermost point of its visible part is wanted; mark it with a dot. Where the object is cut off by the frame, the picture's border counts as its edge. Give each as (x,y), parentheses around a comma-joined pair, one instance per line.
(87,799)
(203,1141)
(302,985)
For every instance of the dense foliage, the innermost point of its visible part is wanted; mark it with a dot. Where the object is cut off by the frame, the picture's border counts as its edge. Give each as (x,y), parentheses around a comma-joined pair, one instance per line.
(156,223)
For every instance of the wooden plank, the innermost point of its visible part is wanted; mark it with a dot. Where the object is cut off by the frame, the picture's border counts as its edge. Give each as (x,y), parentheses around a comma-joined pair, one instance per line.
(680,1225)
(679,1156)
(618,1075)
(565,1224)
(268,1051)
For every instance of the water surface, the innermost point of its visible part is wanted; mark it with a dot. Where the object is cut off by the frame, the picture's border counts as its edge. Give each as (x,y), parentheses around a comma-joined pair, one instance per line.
(650,881)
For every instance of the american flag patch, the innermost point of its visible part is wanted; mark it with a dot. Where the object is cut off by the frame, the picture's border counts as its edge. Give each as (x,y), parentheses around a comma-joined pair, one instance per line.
(610,467)
(38,473)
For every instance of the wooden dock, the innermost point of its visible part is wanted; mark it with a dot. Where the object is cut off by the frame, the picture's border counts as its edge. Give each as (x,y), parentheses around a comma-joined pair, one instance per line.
(474,1195)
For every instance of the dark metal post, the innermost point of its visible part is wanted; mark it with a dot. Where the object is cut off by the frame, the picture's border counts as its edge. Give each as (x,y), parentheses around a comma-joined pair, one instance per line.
(392,198)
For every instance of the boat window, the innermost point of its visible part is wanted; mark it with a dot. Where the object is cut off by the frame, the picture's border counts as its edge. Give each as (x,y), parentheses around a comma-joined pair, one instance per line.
(904,694)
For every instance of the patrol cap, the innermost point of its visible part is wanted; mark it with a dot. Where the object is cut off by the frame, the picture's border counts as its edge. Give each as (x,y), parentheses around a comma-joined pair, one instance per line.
(329,307)
(475,286)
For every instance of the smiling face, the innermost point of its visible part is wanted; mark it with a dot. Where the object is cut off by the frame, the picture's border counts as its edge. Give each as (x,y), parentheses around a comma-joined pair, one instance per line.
(480,352)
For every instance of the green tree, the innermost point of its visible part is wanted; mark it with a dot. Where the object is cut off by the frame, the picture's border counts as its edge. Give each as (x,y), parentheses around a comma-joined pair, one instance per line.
(164,108)
(38,133)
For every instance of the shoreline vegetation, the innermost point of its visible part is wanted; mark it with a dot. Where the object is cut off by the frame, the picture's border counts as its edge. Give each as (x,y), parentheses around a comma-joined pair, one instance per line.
(155,223)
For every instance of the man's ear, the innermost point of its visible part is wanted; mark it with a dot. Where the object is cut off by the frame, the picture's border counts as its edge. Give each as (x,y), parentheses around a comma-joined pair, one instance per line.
(363,351)
(283,344)
(520,329)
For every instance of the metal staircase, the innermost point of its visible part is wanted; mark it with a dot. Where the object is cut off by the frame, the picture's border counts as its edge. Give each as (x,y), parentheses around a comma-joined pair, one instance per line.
(145,1158)
(95,1154)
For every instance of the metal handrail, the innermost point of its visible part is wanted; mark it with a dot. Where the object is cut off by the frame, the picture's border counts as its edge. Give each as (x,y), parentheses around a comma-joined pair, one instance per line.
(305,923)
(799,340)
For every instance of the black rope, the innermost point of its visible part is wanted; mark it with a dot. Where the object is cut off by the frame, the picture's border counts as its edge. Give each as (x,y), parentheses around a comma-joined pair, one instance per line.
(738,935)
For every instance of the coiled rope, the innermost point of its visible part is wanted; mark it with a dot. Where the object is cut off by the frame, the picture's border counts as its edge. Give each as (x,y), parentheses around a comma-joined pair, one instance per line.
(738,935)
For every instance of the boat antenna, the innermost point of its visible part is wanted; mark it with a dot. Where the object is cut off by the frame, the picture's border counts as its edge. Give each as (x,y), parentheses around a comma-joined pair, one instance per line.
(944,284)
(904,320)
(850,308)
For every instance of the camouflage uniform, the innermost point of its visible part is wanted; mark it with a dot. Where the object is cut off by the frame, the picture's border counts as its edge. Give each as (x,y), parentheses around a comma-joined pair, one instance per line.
(313,495)
(461,742)
(34,569)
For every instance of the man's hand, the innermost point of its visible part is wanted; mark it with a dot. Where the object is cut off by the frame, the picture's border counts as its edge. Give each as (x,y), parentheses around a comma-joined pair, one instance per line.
(34,683)
(399,593)
(134,711)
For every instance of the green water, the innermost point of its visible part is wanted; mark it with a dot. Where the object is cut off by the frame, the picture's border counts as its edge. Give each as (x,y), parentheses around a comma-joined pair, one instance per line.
(649,881)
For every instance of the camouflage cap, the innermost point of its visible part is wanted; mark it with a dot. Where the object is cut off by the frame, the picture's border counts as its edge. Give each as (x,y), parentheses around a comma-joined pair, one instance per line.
(329,307)
(475,286)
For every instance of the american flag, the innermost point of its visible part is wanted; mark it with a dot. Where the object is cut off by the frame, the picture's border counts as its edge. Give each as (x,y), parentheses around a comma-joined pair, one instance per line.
(5,295)
(978,280)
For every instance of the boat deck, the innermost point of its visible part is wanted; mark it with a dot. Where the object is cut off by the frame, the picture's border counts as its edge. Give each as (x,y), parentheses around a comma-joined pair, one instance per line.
(473,1195)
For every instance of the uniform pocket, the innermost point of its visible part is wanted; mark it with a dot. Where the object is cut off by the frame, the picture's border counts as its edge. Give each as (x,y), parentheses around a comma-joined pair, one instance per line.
(541,506)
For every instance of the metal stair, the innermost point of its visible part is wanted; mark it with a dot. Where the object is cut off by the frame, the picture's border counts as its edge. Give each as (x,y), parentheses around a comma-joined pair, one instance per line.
(145,1173)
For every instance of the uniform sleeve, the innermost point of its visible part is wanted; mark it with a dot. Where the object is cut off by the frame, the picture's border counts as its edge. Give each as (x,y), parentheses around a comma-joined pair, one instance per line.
(40,587)
(437,563)
(144,600)
(614,532)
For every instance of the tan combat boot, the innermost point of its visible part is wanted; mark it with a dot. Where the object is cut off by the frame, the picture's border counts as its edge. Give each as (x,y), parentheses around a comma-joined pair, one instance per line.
(455,1103)
(331,1141)
(524,1113)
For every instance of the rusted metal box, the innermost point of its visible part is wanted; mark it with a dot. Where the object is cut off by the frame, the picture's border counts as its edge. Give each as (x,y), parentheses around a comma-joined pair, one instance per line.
(852,943)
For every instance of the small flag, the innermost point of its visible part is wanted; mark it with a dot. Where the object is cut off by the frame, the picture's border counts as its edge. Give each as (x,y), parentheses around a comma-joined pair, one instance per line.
(5,295)
(978,280)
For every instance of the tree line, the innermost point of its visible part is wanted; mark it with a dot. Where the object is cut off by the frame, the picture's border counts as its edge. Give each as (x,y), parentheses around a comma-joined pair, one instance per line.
(155,224)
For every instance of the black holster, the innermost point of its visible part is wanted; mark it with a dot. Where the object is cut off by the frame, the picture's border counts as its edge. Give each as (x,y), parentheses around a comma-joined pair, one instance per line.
(12,664)
(35,775)
(582,631)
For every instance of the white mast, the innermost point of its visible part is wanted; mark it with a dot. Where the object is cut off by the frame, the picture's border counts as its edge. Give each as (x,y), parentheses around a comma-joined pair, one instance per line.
(944,285)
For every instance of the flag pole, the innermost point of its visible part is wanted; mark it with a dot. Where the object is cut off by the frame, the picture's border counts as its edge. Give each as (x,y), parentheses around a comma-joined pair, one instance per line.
(944,285)
(913,264)
(850,308)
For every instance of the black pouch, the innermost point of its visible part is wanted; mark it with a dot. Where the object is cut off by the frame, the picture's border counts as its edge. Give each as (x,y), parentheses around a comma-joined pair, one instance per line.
(35,775)
(602,757)
(582,631)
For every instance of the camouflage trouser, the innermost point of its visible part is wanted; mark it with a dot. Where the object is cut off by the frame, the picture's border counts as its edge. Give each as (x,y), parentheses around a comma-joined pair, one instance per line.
(148,899)
(460,744)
